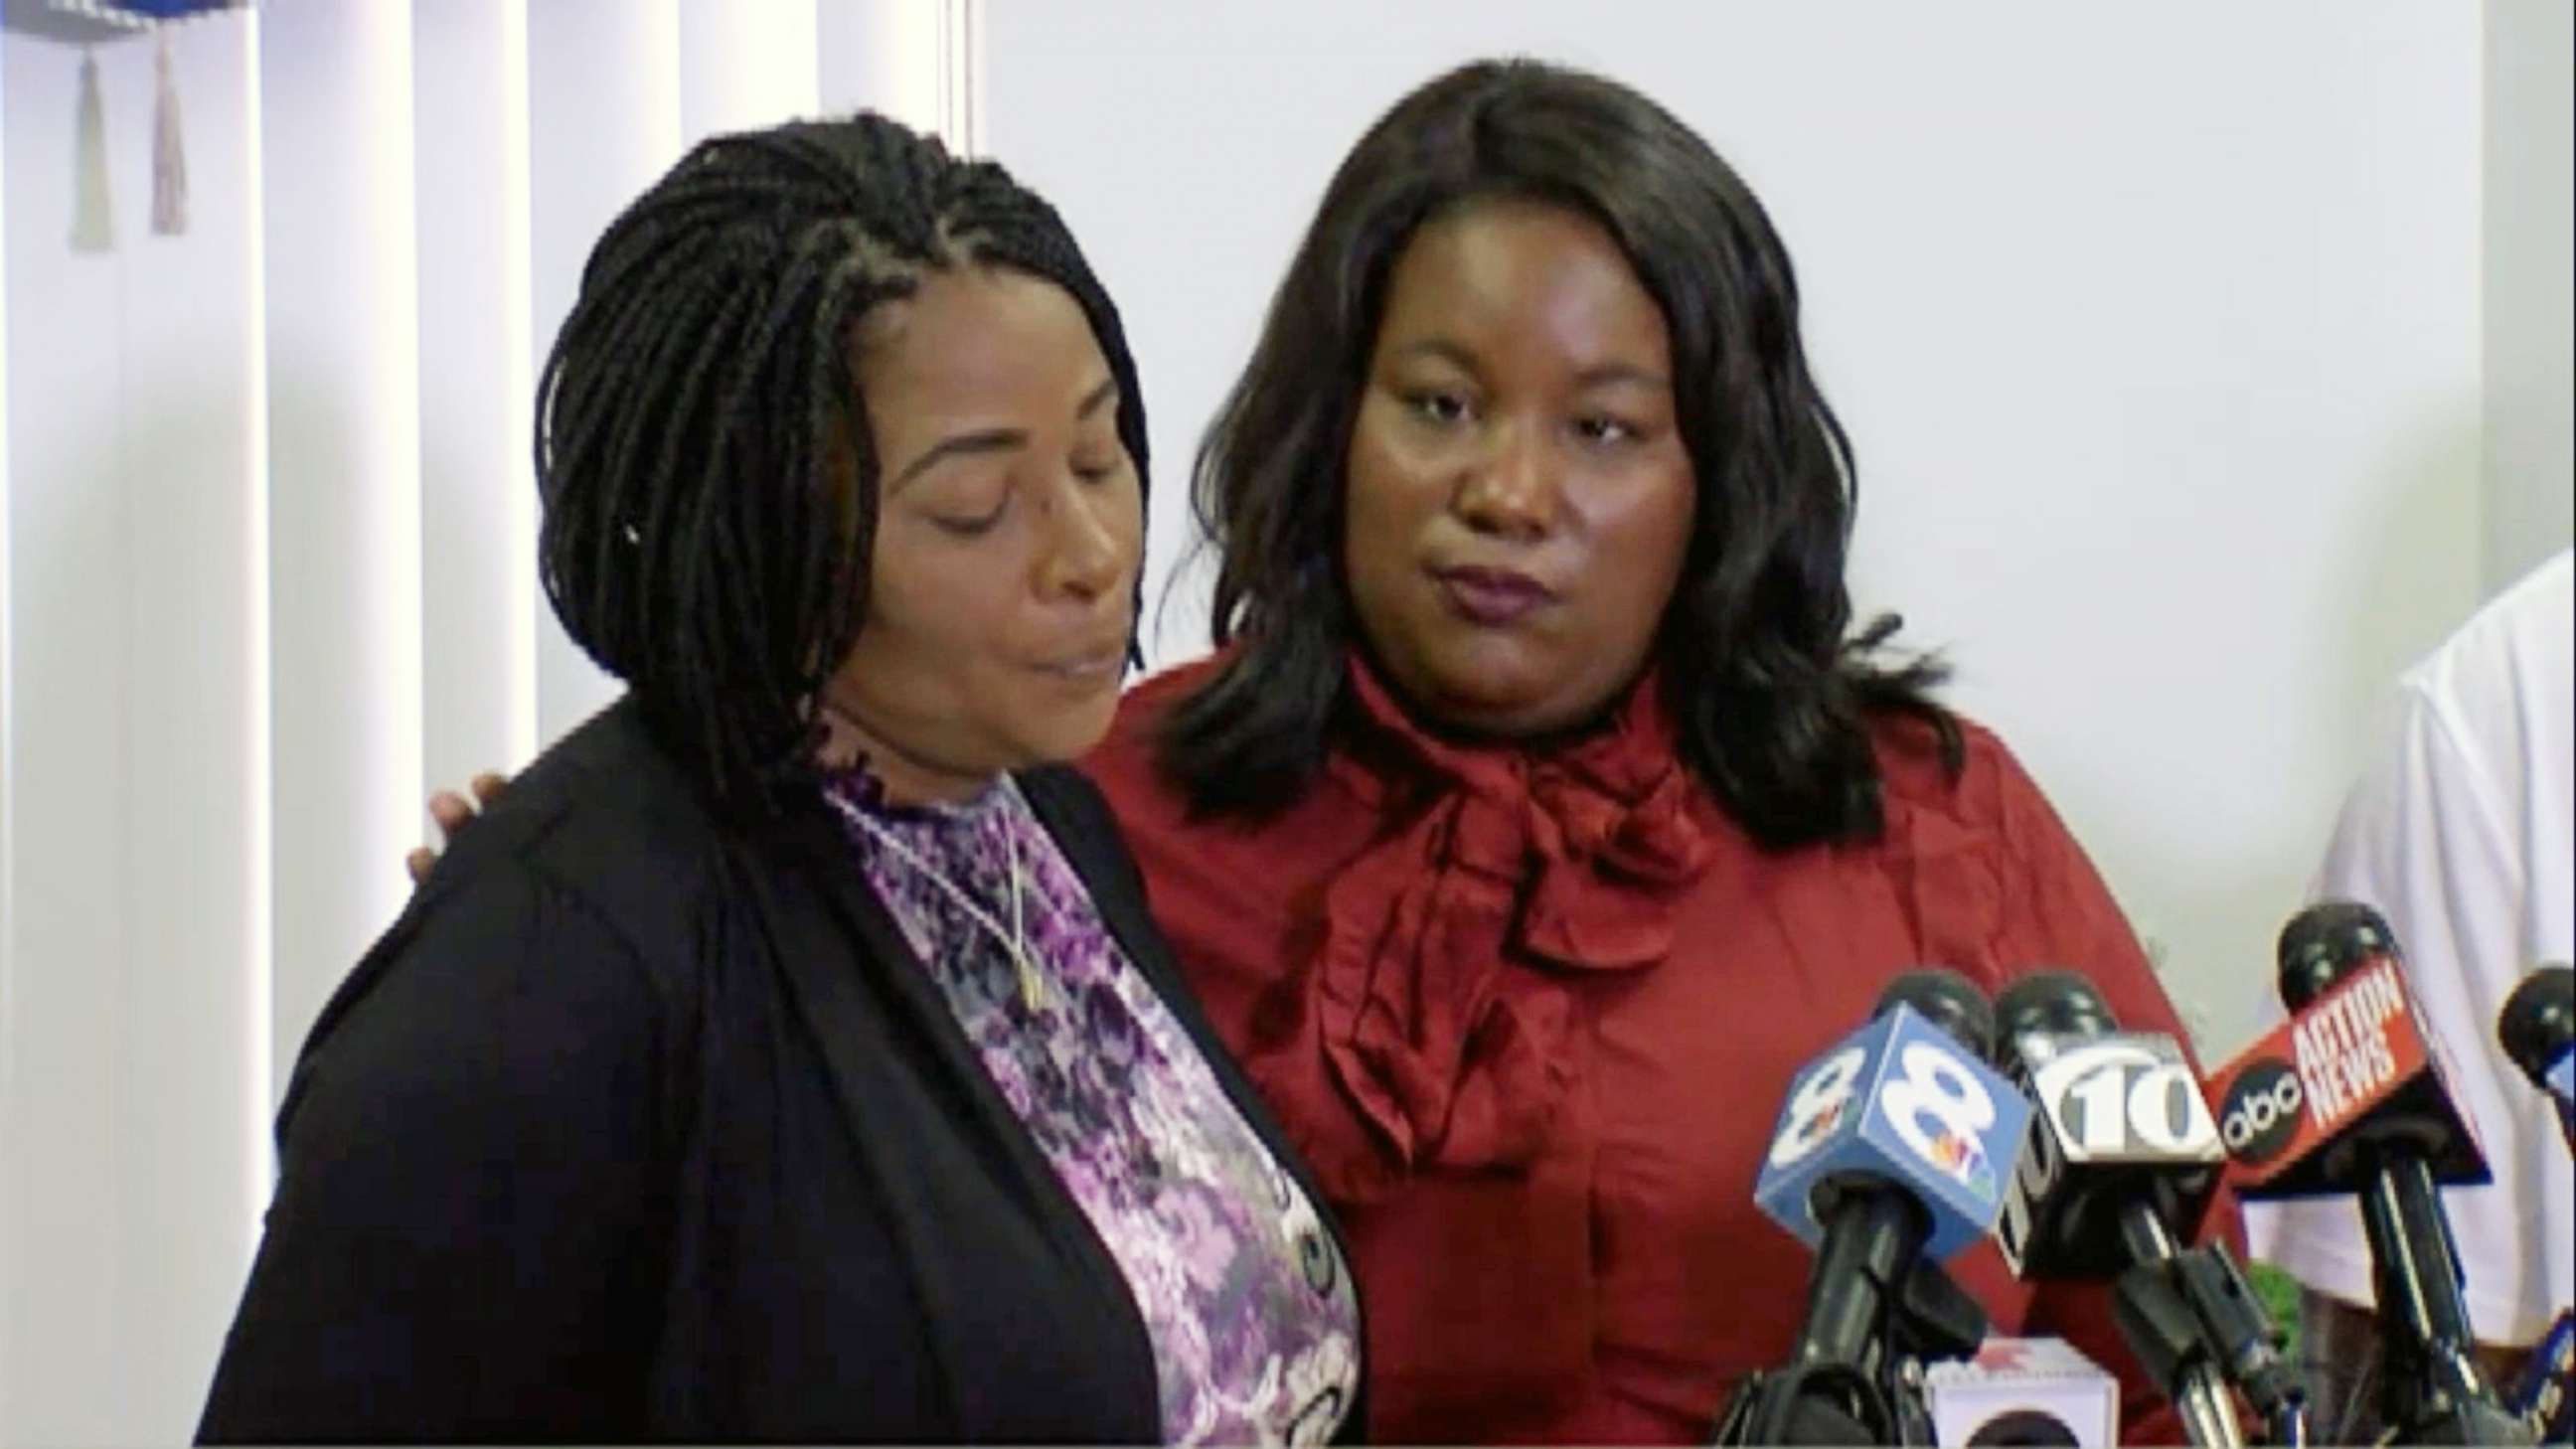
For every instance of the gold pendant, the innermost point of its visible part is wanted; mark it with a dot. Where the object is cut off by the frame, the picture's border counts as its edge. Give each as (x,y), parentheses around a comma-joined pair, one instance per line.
(1032,986)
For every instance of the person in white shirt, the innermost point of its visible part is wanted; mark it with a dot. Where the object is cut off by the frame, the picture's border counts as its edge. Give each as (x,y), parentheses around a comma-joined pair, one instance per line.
(2464,836)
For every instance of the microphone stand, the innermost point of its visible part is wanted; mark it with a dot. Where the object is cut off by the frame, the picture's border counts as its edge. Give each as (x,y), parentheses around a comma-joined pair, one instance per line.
(1860,1382)
(2195,1325)
(2431,1389)
(1936,1320)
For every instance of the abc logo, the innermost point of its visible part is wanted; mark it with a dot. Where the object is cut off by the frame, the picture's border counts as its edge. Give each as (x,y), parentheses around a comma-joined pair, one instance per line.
(2261,1113)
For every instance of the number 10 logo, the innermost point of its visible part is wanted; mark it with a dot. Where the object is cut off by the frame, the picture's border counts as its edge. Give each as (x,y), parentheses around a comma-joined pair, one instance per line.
(2118,1096)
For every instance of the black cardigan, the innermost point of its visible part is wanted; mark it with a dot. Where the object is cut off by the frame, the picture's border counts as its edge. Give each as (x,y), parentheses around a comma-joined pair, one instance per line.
(641,1126)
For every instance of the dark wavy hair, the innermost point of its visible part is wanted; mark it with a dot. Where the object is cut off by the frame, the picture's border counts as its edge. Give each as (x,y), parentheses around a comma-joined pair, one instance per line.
(709,478)
(1774,691)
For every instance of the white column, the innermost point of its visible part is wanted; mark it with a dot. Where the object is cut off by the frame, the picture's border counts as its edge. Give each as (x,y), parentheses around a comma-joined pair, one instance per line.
(479,601)
(127,1063)
(182,1072)
(344,461)
(67,768)
(917,61)
(746,63)
(604,122)
(261,1089)
(961,70)
(8,937)
(2529,242)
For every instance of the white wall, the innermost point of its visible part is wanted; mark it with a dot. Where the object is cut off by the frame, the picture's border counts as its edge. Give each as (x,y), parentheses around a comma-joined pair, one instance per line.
(2530,260)
(8,877)
(2157,329)
(9,1205)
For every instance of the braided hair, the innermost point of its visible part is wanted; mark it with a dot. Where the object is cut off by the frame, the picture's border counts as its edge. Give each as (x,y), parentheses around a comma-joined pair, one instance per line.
(702,448)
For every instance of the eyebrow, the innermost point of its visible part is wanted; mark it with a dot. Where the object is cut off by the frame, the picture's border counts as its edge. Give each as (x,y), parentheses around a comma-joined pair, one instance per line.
(1099,399)
(994,440)
(960,445)
(1601,375)
(1442,348)
(1610,373)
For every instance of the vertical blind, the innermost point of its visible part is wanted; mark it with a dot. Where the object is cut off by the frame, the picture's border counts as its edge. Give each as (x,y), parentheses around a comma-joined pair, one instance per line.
(266,562)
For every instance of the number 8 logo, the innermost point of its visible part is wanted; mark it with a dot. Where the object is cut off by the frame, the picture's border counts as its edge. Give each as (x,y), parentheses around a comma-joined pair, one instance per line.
(1818,1107)
(1938,1086)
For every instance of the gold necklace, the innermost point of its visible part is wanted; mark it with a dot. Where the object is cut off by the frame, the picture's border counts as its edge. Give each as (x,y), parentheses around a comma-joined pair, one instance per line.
(1015,941)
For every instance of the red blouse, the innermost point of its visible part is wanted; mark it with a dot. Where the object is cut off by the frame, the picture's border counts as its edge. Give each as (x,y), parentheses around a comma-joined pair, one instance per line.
(1529,1020)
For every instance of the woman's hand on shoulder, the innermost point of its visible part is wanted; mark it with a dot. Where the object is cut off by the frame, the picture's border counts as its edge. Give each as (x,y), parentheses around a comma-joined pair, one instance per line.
(453,812)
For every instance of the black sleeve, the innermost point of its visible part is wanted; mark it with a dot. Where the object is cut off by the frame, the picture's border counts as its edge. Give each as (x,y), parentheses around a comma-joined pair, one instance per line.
(1086,830)
(467,1234)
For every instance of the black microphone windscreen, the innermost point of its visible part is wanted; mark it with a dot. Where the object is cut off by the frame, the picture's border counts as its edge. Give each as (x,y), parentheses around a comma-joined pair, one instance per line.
(2061,1002)
(2323,943)
(1949,1001)
(2538,1023)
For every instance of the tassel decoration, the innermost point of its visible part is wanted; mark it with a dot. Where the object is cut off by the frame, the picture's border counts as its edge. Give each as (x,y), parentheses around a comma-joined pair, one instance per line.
(93,220)
(169,158)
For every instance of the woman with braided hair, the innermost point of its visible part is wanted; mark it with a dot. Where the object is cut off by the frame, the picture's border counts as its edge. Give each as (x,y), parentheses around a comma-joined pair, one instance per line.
(790,1055)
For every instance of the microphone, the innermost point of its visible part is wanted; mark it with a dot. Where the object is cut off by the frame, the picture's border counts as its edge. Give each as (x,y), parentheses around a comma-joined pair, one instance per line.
(2537,1029)
(2121,1134)
(2123,1160)
(2305,1109)
(2348,1096)
(1889,1156)
(2546,1397)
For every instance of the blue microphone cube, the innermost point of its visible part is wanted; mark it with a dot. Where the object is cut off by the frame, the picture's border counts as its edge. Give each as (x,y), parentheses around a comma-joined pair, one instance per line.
(1902,1101)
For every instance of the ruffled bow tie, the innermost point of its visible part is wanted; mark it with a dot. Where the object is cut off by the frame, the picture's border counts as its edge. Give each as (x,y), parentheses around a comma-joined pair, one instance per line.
(1439,999)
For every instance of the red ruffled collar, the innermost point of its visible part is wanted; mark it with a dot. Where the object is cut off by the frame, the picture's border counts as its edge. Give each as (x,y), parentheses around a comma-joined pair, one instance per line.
(1440,1026)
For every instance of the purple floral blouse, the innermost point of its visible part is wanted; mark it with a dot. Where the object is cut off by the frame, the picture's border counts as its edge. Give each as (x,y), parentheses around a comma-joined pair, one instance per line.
(1246,1299)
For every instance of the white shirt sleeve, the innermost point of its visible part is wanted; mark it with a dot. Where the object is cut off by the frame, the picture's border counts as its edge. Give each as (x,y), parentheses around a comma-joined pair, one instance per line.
(2441,838)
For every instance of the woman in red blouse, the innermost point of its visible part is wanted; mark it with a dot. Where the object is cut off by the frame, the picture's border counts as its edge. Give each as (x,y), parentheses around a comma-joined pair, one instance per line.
(1542,811)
